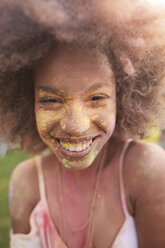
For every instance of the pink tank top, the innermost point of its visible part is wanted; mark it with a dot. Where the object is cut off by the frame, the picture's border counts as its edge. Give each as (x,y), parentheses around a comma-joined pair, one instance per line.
(43,233)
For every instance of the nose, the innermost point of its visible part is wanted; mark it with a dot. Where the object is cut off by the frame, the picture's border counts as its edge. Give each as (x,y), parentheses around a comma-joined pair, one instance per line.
(76,121)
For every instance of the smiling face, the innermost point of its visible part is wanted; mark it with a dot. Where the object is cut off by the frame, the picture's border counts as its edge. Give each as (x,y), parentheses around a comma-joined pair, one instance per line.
(75,105)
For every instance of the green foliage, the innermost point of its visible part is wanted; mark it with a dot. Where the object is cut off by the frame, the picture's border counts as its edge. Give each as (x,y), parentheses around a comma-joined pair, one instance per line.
(7,164)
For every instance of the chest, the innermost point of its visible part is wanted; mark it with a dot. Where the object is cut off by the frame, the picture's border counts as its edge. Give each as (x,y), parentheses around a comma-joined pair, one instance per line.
(75,205)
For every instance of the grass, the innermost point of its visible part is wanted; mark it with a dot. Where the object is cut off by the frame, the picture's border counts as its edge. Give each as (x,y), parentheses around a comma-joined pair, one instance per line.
(7,164)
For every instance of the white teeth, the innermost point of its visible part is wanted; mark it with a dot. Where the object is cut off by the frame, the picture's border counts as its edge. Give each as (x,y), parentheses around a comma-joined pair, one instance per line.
(79,148)
(72,148)
(87,145)
(75,148)
(84,146)
(61,144)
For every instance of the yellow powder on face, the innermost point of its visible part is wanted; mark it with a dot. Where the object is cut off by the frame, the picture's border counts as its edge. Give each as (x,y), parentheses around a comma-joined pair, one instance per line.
(66,145)
(51,133)
(91,158)
(66,163)
(47,118)
(59,114)
(64,160)
(41,114)
(43,124)
(42,93)
(102,122)
(67,166)
(43,127)
(94,117)
(57,133)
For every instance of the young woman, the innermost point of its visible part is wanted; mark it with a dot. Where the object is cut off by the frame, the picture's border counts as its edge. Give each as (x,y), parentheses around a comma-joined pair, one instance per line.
(86,81)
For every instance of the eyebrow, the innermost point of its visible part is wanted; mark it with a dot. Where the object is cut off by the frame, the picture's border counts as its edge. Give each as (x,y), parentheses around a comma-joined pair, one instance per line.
(49,89)
(55,90)
(97,86)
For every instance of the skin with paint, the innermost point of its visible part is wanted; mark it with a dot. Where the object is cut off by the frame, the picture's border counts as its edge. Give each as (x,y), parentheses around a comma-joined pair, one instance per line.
(73,105)
(75,108)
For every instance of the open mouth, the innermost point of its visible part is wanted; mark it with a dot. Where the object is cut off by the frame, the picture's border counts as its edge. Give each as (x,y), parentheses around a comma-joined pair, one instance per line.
(76,148)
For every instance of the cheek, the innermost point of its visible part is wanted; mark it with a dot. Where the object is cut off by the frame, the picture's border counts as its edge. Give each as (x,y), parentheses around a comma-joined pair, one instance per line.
(106,119)
(43,121)
(46,120)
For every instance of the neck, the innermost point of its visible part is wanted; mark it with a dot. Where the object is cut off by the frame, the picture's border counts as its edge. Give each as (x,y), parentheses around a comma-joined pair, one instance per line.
(85,178)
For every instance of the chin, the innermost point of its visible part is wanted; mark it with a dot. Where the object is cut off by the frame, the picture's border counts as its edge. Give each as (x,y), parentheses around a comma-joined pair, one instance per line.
(78,160)
(77,163)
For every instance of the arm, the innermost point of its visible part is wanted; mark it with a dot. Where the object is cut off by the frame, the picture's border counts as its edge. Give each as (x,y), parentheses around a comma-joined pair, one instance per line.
(23,195)
(144,176)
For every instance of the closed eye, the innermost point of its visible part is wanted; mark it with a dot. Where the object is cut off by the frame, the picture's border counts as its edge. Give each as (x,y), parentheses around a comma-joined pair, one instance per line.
(49,100)
(100,97)
(96,98)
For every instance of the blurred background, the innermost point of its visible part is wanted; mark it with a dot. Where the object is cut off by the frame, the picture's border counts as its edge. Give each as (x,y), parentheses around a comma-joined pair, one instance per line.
(8,161)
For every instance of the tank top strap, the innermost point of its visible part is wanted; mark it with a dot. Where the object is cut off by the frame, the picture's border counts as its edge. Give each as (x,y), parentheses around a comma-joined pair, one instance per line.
(122,189)
(38,162)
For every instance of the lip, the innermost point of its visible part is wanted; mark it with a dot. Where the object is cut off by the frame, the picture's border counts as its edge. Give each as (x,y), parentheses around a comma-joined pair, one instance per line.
(78,154)
(78,140)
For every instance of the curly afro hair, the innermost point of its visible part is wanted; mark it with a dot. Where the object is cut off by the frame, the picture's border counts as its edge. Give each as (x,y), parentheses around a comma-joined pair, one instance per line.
(130,33)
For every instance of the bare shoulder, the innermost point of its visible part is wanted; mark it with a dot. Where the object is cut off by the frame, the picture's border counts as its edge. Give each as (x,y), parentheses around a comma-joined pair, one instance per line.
(144,178)
(144,162)
(23,195)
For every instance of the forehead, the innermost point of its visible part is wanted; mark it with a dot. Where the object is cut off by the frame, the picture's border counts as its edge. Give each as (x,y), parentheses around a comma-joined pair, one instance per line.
(67,65)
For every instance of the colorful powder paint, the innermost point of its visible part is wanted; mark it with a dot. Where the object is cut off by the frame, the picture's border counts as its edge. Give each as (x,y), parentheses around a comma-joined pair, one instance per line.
(78,114)
(66,163)
(92,158)
(41,93)
(51,133)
